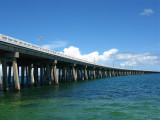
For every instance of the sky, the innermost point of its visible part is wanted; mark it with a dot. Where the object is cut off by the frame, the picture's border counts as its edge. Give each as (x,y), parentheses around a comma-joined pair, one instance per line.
(119,33)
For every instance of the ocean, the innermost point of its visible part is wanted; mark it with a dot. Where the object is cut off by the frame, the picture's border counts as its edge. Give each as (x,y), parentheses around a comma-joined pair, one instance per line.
(135,97)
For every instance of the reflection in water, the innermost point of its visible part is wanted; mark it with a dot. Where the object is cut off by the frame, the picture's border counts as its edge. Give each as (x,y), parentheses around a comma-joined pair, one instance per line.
(126,97)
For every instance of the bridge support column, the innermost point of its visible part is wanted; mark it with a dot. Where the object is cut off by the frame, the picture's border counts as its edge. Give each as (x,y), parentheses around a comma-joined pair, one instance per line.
(113,74)
(100,73)
(125,72)
(16,75)
(35,75)
(9,74)
(105,74)
(94,73)
(59,77)
(48,74)
(88,74)
(74,73)
(63,74)
(82,74)
(69,74)
(78,74)
(32,76)
(110,73)
(52,74)
(15,71)
(5,80)
(42,75)
(22,75)
(117,73)
(85,73)
(27,75)
(55,72)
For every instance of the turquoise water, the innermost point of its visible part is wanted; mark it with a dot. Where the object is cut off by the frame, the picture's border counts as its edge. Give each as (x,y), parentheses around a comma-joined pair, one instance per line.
(120,98)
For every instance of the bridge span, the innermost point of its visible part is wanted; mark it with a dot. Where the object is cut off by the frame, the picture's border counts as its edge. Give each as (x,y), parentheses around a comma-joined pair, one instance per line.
(52,67)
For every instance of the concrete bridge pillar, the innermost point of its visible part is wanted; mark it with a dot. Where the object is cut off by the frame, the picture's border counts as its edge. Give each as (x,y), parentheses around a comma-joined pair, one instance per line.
(29,82)
(100,73)
(94,73)
(78,74)
(59,74)
(41,75)
(4,69)
(15,71)
(48,70)
(82,74)
(110,73)
(116,72)
(88,73)
(85,73)
(22,75)
(52,74)
(128,72)
(113,73)
(74,72)
(35,75)
(27,74)
(63,74)
(97,73)
(105,74)
(67,74)
(9,74)
(32,75)
(55,73)
(70,74)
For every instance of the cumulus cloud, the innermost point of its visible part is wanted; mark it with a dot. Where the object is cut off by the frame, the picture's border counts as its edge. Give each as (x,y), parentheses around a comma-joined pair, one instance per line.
(93,56)
(126,59)
(137,59)
(55,44)
(147,12)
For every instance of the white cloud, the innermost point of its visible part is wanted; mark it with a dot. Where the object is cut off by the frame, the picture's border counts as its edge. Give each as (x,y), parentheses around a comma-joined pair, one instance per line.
(55,44)
(125,59)
(94,56)
(137,59)
(147,12)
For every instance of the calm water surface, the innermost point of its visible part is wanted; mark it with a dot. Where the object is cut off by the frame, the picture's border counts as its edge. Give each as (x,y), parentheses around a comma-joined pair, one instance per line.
(120,98)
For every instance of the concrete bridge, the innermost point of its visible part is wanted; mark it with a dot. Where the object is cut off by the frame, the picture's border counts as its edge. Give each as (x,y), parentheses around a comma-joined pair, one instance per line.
(52,67)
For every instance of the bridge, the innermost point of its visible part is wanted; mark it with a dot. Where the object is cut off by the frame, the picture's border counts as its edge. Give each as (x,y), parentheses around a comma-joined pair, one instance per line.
(52,67)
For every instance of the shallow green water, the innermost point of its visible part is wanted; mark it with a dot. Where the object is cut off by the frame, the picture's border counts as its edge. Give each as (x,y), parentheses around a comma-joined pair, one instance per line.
(120,98)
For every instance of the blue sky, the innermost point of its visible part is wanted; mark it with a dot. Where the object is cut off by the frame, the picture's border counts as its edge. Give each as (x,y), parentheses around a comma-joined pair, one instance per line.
(87,29)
